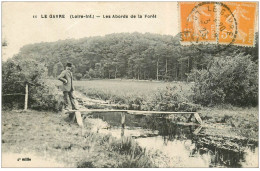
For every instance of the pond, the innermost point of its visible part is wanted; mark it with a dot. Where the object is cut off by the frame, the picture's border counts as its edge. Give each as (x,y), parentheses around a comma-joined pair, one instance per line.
(184,145)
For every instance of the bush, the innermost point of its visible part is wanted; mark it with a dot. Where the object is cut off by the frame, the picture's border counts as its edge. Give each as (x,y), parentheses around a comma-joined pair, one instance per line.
(135,156)
(16,73)
(78,76)
(173,99)
(230,80)
(87,76)
(45,96)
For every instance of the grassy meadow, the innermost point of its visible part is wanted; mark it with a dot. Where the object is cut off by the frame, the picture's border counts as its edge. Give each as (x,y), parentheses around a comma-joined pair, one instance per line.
(125,88)
(137,95)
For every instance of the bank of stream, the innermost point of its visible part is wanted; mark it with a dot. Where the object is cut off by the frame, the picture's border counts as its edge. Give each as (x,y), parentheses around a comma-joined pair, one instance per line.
(183,145)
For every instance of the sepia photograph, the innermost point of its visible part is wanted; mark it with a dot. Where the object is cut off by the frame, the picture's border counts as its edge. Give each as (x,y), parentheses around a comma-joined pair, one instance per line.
(129,84)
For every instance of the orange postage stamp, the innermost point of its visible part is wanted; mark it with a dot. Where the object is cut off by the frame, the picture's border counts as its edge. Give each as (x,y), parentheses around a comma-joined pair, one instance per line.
(219,23)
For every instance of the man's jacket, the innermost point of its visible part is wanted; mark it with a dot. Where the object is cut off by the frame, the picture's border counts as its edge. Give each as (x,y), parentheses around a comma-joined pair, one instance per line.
(66,75)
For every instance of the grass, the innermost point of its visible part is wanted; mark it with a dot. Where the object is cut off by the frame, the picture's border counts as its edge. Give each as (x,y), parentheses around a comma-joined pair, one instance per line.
(51,136)
(131,87)
(243,121)
(125,88)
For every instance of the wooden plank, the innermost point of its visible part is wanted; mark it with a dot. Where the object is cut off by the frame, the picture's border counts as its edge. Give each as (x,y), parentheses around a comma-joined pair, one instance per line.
(197,116)
(135,112)
(123,124)
(197,130)
(187,124)
(79,118)
(122,132)
(123,119)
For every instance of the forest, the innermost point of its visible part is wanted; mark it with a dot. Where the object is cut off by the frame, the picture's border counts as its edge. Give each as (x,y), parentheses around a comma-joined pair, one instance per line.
(128,56)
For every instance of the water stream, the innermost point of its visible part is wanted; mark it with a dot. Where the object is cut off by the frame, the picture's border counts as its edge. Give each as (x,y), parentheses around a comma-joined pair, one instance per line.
(185,146)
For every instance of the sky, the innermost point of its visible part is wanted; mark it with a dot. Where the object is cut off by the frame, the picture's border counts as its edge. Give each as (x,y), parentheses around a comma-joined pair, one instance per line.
(20,28)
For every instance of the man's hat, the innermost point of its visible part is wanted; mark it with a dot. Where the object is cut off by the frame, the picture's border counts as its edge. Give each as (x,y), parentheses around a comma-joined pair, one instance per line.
(69,64)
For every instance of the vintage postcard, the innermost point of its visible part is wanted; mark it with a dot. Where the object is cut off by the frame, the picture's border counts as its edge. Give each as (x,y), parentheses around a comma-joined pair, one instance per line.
(130,84)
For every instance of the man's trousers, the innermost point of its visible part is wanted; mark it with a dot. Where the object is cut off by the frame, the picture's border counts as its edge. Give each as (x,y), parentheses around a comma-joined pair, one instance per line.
(71,97)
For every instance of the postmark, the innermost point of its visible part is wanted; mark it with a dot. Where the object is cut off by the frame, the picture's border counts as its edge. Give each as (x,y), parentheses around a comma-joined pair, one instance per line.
(213,26)
(201,25)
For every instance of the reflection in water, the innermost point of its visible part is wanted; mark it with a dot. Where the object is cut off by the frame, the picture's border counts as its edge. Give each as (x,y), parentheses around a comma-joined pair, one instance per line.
(178,151)
(186,146)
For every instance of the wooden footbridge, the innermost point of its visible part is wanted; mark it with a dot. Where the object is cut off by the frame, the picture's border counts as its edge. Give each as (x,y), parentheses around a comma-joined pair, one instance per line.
(77,114)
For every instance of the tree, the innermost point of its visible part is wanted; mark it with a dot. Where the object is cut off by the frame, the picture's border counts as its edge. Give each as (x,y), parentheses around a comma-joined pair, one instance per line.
(231,79)
(17,72)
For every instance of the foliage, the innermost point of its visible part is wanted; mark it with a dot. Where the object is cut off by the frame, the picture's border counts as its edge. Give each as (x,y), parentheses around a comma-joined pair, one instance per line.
(57,69)
(124,55)
(78,76)
(16,73)
(173,99)
(136,156)
(231,80)
(45,96)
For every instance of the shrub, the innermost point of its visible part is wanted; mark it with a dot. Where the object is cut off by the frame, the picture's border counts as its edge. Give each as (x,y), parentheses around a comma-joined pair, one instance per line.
(232,80)
(173,99)
(78,76)
(16,73)
(45,96)
(86,76)
(135,156)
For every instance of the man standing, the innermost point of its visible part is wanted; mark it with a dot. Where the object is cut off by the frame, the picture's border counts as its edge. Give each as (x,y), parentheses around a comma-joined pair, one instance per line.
(66,77)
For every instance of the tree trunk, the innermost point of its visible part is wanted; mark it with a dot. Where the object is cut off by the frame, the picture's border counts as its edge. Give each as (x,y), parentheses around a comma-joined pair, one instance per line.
(188,68)
(26,97)
(188,64)
(138,76)
(115,72)
(157,72)
(166,68)
(195,63)
(176,74)
(181,71)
